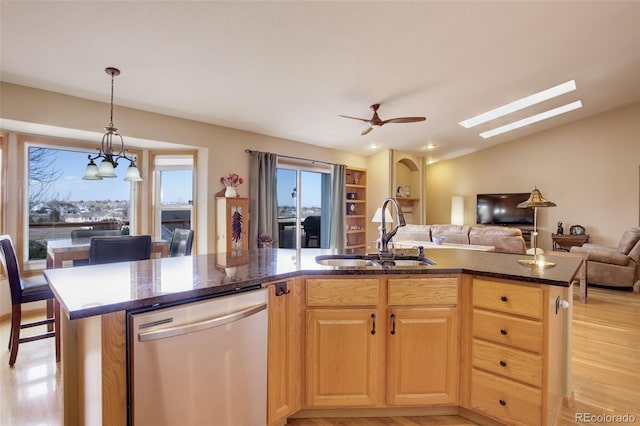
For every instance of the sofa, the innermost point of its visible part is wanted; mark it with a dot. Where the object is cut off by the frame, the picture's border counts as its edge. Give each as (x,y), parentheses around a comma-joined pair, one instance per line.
(614,266)
(504,239)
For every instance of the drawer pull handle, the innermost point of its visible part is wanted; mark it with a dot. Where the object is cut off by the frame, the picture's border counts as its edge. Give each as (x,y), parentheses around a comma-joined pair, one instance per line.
(503,402)
(393,323)
(503,363)
(504,298)
(373,318)
(503,331)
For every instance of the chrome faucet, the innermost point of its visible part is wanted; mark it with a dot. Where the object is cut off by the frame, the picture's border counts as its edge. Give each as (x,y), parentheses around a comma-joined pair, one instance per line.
(384,236)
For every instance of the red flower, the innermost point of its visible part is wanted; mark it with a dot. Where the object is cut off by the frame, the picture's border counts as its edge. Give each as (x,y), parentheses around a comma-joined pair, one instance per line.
(231,180)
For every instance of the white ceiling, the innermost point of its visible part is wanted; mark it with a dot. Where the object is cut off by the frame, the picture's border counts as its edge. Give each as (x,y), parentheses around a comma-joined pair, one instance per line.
(288,68)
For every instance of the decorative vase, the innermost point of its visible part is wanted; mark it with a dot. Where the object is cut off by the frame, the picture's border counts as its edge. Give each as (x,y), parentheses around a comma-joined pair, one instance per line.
(230,192)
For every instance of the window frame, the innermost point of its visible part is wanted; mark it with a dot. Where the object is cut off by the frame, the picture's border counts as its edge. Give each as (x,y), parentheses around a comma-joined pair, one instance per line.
(156,205)
(24,142)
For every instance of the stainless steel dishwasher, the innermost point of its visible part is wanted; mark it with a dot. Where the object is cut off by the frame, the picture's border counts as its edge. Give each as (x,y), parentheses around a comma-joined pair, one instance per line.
(200,363)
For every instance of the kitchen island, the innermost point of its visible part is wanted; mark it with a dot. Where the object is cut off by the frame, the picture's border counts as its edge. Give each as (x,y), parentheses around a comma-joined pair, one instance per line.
(95,299)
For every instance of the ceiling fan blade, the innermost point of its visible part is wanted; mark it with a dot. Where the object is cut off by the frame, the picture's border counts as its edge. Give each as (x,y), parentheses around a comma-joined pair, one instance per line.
(404,120)
(366,120)
(366,131)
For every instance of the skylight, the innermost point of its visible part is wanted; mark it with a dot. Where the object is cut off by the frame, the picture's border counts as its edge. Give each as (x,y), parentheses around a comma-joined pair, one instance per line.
(532,119)
(536,98)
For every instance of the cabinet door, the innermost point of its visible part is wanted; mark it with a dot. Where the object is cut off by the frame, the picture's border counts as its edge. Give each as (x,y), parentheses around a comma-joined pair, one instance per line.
(284,352)
(342,357)
(423,364)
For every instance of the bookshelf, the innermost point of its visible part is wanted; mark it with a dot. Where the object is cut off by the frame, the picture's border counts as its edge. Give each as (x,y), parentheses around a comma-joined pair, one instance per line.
(356,208)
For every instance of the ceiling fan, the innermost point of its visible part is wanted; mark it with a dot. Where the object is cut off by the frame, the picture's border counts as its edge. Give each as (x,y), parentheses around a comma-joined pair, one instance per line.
(375,121)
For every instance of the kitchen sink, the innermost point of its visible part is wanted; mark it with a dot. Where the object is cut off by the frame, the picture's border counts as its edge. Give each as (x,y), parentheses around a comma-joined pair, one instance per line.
(372,260)
(331,261)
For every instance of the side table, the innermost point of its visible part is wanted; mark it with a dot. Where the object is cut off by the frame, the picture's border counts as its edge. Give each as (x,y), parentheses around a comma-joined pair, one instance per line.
(582,272)
(563,242)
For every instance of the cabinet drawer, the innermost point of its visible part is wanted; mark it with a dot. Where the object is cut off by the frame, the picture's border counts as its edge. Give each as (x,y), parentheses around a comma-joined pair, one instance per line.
(512,402)
(423,291)
(342,292)
(512,363)
(506,330)
(510,298)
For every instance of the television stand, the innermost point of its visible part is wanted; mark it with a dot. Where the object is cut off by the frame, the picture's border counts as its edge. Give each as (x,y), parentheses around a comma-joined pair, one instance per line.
(526,232)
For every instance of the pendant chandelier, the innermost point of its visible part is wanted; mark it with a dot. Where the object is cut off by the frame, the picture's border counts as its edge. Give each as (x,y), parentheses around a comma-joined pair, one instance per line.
(111,156)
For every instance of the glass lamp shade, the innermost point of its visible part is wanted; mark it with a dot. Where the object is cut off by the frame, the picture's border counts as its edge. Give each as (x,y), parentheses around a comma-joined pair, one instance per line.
(377,217)
(106,170)
(91,172)
(133,174)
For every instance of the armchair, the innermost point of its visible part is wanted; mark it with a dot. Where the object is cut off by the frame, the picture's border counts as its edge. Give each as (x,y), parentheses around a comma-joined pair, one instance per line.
(614,266)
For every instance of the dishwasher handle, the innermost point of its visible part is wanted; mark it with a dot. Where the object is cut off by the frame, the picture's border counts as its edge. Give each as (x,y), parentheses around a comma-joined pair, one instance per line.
(201,325)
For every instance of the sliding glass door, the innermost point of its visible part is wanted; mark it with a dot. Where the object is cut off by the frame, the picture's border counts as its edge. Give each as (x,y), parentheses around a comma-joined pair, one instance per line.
(303,207)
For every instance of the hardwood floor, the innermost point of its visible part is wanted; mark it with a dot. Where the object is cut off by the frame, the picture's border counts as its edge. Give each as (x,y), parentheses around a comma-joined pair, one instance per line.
(606,371)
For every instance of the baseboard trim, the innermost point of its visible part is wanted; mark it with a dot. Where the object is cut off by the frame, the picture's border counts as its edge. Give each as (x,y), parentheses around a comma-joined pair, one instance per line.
(310,413)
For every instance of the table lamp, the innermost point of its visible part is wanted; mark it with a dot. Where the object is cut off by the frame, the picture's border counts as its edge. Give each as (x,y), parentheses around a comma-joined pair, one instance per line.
(377,217)
(535,201)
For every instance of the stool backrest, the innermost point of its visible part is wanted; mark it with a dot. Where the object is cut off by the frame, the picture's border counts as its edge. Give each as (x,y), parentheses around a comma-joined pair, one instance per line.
(10,265)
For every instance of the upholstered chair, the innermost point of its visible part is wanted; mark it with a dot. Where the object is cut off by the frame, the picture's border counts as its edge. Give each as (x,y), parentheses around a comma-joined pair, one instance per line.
(122,249)
(181,242)
(614,266)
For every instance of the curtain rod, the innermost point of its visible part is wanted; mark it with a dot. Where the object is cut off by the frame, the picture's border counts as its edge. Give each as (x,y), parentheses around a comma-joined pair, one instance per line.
(249,151)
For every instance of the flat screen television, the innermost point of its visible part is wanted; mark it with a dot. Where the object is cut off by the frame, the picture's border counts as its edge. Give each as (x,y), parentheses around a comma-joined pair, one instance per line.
(502,209)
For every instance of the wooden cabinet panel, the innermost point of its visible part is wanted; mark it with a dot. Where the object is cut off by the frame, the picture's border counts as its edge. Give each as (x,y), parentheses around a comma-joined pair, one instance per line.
(342,292)
(284,352)
(341,357)
(423,358)
(232,232)
(511,363)
(513,402)
(509,298)
(423,291)
(507,330)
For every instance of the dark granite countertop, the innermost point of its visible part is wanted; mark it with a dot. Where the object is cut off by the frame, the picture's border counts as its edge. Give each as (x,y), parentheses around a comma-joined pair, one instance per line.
(100,289)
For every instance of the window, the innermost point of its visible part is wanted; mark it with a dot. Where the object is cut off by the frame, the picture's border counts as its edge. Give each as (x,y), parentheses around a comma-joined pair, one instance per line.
(173,193)
(303,204)
(58,200)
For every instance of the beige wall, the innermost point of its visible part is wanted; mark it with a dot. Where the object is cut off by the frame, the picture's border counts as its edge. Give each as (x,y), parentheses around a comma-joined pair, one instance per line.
(222,147)
(589,168)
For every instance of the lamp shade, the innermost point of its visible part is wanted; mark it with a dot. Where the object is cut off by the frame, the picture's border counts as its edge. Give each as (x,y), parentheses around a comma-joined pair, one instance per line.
(91,172)
(106,169)
(536,200)
(133,174)
(377,217)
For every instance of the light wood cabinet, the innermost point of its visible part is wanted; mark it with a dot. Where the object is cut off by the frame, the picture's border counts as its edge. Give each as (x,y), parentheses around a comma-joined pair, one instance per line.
(356,208)
(361,331)
(423,355)
(343,342)
(284,356)
(513,362)
(342,357)
(232,231)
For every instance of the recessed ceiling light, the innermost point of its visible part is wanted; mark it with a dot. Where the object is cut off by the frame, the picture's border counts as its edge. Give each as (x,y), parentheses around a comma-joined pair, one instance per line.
(431,146)
(558,90)
(532,119)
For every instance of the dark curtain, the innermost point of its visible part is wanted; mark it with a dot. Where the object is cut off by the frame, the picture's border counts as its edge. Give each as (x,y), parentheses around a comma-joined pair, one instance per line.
(263,197)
